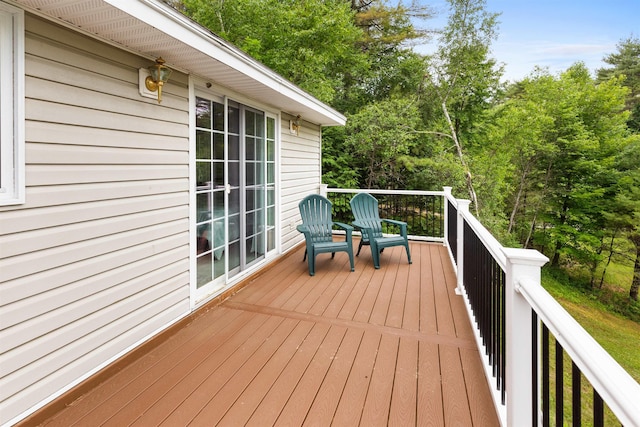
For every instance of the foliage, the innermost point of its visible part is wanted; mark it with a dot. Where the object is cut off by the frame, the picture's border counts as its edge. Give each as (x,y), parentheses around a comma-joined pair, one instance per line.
(571,130)
(464,77)
(312,43)
(626,62)
(551,162)
(377,136)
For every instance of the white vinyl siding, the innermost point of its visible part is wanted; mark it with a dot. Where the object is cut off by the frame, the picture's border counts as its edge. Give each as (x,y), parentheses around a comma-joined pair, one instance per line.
(96,260)
(11,105)
(300,175)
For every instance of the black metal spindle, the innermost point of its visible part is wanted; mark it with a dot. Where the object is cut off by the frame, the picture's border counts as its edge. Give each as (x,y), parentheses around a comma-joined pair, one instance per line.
(534,368)
(598,410)
(576,392)
(503,335)
(545,376)
(559,385)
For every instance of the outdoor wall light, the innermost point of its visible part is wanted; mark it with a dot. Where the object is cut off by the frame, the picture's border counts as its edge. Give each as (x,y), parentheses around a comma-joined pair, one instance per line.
(294,125)
(159,76)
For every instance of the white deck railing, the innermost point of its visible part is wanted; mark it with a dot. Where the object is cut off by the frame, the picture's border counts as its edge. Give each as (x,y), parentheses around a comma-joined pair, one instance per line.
(518,401)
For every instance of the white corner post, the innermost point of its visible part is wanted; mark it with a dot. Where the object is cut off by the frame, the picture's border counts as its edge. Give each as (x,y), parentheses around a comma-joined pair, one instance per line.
(447,196)
(323,190)
(520,263)
(463,209)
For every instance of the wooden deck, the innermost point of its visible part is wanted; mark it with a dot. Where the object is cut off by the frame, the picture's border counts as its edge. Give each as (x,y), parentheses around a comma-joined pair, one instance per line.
(374,347)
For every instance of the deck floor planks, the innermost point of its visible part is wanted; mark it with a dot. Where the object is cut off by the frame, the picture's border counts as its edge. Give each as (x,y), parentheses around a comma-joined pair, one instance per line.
(118,389)
(328,396)
(185,396)
(444,317)
(347,310)
(398,300)
(259,371)
(376,408)
(374,347)
(428,319)
(429,391)
(296,409)
(483,412)
(268,410)
(149,386)
(413,298)
(454,395)
(404,395)
(355,392)
(382,303)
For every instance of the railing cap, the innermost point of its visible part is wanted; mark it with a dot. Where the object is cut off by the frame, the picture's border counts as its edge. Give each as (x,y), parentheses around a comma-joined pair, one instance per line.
(463,204)
(525,256)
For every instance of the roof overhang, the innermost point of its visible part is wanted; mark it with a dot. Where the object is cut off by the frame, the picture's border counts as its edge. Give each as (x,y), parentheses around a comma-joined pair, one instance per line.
(152,29)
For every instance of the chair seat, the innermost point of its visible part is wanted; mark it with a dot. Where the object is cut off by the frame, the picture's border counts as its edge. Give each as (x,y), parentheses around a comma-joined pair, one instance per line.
(385,242)
(330,247)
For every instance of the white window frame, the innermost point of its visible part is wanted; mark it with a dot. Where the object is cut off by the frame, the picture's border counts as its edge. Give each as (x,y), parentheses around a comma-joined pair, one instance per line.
(12,164)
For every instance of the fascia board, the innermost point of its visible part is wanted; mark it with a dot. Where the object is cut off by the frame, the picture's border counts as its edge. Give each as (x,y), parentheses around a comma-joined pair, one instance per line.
(179,27)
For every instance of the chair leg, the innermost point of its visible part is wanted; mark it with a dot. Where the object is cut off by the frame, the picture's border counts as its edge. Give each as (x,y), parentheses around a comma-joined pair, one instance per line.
(333,254)
(312,264)
(375,254)
(406,246)
(305,255)
(360,246)
(351,260)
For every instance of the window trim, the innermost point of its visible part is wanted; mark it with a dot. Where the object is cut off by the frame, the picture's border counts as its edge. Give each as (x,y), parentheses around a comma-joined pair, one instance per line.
(12,136)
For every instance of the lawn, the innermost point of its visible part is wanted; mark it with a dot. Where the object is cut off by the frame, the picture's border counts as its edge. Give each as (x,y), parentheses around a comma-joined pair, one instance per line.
(618,335)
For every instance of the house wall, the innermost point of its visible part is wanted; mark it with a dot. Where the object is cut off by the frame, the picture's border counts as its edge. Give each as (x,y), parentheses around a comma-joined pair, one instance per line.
(300,175)
(96,260)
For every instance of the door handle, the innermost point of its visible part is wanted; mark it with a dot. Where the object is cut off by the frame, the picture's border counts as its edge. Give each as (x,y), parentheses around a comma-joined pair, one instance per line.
(228,189)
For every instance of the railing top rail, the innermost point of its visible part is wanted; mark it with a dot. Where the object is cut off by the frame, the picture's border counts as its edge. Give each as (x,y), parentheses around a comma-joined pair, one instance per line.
(618,389)
(379,191)
(491,243)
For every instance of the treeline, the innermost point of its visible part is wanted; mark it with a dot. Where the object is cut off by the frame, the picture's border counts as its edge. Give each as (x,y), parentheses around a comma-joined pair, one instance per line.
(551,162)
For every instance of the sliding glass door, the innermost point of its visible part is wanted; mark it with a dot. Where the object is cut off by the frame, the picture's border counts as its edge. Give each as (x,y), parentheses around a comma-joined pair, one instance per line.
(235,189)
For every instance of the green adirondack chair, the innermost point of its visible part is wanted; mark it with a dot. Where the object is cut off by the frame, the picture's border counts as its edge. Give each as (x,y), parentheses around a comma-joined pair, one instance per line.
(316,226)
(367,219)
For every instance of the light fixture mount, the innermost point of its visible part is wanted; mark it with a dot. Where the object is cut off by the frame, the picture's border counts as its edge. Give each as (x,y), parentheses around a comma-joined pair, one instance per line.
(158,76)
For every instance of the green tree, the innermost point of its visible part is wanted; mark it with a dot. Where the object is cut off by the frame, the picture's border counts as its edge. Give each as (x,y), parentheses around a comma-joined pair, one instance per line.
(578,128)
(313,43)
(625,213)
(463,78)
(626,62)
(377,136)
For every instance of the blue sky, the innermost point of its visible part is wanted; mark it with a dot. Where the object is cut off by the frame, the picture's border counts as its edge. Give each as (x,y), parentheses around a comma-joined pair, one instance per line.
(554,33)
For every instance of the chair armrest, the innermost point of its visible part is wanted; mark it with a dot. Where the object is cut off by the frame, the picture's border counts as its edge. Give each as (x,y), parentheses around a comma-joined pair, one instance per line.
(401,224)
(347,228)
(360,225)
(343,226)
(304,229)
(395,222)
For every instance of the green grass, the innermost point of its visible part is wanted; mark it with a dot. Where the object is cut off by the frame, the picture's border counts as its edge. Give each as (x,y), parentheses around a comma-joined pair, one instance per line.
(616,333)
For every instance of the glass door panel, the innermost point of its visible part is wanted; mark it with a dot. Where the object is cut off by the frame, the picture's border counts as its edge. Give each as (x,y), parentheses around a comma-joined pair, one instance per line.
(235,189)
(254,185)
(210,191)
(233,173)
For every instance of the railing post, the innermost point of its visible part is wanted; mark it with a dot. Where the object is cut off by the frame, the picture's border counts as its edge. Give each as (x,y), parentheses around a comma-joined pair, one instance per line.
(445,201)
(520,263)
(463,208)
(323,189)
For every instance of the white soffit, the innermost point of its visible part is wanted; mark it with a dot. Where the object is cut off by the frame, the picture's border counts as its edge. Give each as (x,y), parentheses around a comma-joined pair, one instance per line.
(185,45)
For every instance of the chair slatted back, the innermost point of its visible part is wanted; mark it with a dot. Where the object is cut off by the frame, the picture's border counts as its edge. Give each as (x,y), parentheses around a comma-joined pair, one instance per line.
(365,209)
(315,211)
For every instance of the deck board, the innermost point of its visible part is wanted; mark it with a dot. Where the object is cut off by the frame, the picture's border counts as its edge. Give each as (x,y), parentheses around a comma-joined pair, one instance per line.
(392,346)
